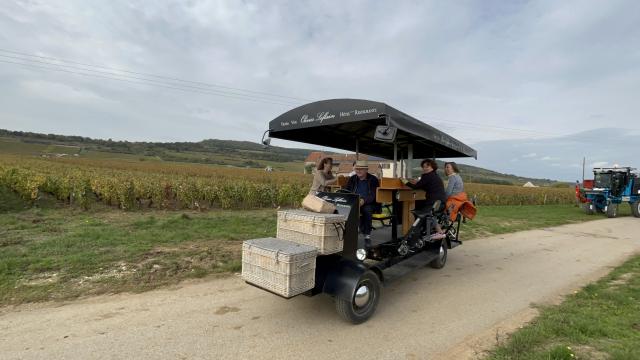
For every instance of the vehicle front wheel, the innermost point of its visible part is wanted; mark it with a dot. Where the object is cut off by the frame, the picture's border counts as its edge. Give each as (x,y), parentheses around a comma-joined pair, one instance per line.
(363,301)
(635,208)
(612,210)
(441,260)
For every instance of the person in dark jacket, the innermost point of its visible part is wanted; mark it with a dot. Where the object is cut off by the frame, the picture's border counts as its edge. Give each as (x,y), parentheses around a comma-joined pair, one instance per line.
(432,185)
(365,185)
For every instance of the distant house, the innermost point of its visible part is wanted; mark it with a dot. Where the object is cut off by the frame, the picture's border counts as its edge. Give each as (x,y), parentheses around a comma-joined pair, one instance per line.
(313,158)
(344,169)
(529,185)
(340,161)
(343,164)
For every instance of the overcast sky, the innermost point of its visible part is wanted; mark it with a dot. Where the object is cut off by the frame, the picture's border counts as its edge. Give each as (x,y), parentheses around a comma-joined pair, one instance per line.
(479,70)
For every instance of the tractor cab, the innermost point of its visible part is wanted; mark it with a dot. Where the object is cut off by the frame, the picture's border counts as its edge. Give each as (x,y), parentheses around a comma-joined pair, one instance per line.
(613,180)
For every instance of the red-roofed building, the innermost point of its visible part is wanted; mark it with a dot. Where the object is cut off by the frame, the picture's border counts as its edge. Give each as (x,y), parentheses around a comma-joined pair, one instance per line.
(339,160)
(343,164)
(344,168)
(314,157)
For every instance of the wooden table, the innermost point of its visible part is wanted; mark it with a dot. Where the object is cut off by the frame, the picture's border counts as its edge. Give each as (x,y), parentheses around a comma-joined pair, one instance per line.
(393,191)
(341,183)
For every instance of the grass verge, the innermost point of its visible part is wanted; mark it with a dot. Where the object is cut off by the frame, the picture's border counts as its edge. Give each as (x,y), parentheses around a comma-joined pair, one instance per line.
(61,253)
(52,252)
(602,321)
(493,220)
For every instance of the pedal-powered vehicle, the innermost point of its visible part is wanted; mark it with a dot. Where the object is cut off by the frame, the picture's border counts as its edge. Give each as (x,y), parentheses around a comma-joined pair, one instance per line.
(355,275)
(611,187)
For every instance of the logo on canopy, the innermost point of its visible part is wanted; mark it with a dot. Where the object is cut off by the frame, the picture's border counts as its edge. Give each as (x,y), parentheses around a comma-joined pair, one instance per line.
(320,117)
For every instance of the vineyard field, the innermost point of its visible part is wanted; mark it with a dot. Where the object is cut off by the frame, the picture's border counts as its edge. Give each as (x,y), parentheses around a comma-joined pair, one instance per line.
(131,185)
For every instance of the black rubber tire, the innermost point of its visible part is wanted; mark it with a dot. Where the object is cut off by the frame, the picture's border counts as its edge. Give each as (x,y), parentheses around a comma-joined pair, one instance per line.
(357,315)
(587,209)
(441,260)
(635,208)
(612,210)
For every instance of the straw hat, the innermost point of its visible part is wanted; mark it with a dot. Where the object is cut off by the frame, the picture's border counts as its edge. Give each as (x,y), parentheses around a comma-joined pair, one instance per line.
(361,164)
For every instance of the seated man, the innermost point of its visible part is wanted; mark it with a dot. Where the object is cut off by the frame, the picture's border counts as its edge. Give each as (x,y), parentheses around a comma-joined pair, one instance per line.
(365,185)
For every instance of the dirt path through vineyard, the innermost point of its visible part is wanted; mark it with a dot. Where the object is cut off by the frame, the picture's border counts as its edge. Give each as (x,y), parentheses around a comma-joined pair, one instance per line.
(486,289)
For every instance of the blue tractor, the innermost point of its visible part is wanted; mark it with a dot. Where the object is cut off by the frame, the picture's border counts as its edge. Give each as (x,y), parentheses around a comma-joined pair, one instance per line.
(611,187)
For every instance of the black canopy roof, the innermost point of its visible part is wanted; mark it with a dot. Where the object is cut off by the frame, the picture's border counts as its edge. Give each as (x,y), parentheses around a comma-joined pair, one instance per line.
(338,123)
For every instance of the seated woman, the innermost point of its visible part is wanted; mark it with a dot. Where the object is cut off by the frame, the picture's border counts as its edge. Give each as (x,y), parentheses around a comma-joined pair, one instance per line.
(457,200)
(365,185)
(433,186)
(455,185)
(323,176)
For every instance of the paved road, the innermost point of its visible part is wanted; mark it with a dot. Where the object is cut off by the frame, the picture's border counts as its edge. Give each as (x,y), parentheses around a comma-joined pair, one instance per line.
(487,288)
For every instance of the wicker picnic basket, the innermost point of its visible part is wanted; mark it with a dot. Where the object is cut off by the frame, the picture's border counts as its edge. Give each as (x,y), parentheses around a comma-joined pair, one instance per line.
(316,204)
(280,266)
(322,231)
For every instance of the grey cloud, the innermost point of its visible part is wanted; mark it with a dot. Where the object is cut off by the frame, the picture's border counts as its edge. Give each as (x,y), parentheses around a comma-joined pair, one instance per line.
(550,68)
(600,147)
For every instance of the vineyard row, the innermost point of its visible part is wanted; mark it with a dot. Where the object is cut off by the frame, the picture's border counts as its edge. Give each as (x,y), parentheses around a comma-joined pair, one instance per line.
(178,187)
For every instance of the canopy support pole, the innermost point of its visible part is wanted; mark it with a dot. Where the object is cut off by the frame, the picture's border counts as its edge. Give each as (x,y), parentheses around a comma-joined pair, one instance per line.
(357,149)
(402,165)
(410,161)
(395,159)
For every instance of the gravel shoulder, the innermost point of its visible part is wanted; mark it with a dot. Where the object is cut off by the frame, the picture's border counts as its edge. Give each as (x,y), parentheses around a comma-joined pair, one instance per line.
(488,288)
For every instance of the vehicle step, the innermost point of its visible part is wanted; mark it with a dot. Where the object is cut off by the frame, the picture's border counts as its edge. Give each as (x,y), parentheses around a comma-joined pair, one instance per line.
(399,270)
(455,243)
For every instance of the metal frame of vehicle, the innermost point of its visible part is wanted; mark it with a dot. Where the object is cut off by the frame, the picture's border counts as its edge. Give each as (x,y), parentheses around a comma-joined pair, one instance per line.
(355,275)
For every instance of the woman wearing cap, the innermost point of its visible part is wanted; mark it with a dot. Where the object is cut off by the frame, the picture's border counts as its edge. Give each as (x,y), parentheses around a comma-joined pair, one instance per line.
(365,185)
(323,176)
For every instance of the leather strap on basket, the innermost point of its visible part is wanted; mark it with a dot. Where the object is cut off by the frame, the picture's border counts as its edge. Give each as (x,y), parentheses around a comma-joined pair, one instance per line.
(339,229)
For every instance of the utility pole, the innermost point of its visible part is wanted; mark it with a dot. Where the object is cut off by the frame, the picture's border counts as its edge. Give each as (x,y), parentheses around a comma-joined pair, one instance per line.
(583,161)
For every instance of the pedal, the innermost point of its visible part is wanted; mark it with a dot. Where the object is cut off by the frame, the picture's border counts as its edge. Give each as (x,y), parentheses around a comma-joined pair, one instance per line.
(403,248)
